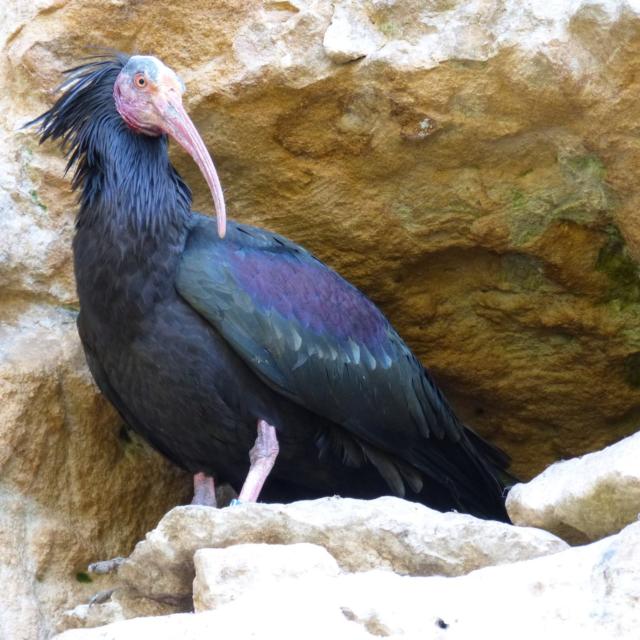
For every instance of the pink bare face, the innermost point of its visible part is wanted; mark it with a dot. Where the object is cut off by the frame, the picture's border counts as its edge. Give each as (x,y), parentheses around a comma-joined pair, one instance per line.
(148,96)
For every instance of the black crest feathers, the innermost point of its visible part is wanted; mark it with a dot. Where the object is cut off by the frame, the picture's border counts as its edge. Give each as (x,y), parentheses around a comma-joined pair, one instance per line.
(82,108)
(119,172)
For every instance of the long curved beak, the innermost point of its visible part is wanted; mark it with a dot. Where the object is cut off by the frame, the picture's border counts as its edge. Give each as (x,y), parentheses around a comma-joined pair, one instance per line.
(179,126)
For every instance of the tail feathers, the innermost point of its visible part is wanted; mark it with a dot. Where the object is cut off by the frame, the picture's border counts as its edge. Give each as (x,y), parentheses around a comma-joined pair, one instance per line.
(498,460)
(490,463)
(467,475)
(472,481)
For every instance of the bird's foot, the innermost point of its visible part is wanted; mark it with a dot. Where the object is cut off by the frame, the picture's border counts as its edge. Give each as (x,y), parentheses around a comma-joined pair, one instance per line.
(101,597)
(234,502)
(262,457)
(106,566)
(204,490)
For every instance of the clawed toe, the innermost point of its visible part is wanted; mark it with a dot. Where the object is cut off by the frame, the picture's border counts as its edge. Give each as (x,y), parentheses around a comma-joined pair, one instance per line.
(101,597)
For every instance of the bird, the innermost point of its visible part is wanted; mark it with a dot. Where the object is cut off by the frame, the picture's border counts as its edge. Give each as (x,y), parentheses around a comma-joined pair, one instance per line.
(225,345)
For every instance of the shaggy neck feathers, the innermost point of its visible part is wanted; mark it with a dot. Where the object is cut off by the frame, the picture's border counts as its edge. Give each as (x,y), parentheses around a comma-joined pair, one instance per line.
(127,184)
(134,209)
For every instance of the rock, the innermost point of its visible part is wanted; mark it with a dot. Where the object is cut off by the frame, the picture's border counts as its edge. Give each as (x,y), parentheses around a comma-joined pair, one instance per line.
(475,173)
(586,592)
(73,488)
(223,575)
(385,533)
(583,499)
(230,622)
(350,36)
(445,172)
(91,615)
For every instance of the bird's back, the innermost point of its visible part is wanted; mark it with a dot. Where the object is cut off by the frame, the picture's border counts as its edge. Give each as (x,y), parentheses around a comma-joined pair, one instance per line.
(317,341)
(193,338)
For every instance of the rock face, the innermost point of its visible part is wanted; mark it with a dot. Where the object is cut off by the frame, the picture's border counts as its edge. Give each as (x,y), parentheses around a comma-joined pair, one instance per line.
(71,488)
(225,575)
(388,533)
(265,542)
(585,498)
(471,166)
(298,590)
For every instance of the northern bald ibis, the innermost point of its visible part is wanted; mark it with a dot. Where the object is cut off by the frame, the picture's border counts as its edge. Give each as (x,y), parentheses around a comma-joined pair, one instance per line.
(202,333)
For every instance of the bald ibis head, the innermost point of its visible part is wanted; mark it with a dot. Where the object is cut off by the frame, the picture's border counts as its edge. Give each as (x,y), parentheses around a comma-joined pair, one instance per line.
(148,96)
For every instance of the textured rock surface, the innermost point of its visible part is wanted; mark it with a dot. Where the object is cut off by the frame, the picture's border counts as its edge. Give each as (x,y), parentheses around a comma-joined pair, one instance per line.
(472,166)
(587,592)
(224,575)
(91,615)
(585,498)
(71,489)
(387,533)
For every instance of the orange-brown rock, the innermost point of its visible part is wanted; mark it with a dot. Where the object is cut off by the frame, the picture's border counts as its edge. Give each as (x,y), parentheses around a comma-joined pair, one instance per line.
(471,166)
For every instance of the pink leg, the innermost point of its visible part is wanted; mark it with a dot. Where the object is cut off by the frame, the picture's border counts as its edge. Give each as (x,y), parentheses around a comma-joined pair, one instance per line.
(204,490)
(262,457)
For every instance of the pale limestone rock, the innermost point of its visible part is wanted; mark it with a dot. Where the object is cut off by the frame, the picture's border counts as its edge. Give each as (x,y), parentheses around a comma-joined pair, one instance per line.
(589,592)
(91,615)
(223,575)
(230,622)
(585,498)
(385,533)
(350,35)
(279,42)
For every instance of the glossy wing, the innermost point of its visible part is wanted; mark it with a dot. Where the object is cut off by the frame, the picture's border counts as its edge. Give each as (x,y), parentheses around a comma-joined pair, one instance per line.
(312,336)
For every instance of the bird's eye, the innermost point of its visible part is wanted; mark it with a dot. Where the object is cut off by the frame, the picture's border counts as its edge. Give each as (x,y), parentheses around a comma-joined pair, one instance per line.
(140,80)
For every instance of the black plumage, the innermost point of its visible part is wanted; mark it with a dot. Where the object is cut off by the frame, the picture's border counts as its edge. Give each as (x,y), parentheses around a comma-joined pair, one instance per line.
(193,338)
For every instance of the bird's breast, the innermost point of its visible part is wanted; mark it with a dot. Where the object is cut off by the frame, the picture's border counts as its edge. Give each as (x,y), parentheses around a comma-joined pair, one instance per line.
(121,278)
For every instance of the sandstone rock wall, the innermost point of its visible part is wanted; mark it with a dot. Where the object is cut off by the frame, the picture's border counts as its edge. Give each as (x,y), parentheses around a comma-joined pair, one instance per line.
(472,166)
(74,485)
